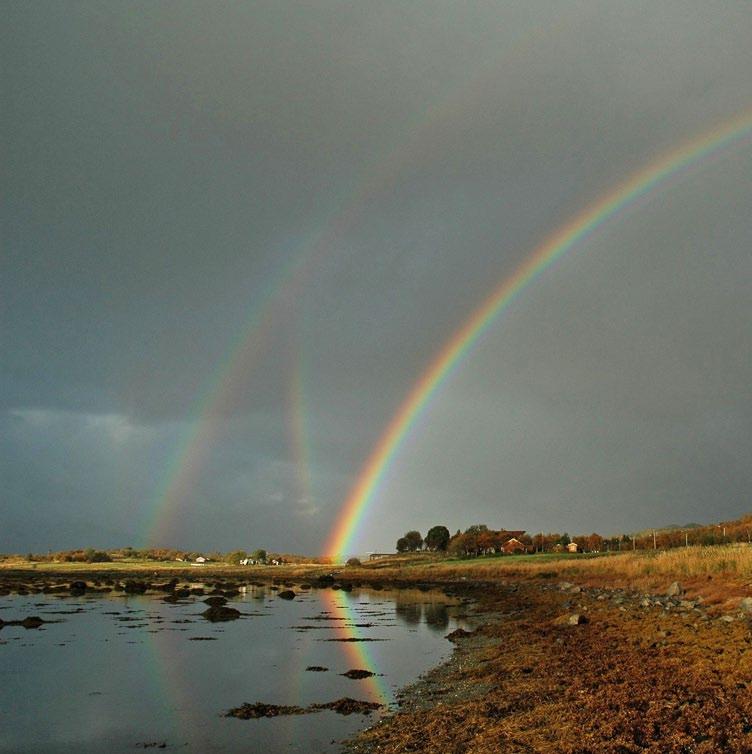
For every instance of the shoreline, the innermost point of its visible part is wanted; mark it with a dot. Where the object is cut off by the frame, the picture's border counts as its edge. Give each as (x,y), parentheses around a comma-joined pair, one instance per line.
(633,673)
(564,657)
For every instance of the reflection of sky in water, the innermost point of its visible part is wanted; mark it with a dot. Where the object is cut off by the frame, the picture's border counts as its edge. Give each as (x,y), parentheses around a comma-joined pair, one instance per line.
(123,671)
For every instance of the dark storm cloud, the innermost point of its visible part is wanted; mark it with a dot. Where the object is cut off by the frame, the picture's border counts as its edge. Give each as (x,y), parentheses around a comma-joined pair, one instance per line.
(166,163)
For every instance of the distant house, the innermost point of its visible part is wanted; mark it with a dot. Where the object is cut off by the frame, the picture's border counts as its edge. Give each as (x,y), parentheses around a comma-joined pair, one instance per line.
(507,534)
(573,547)
(201,559)
(379,555)
(513,545)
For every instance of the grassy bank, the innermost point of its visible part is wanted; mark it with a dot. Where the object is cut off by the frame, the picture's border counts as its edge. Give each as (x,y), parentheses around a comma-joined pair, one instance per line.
(719,574)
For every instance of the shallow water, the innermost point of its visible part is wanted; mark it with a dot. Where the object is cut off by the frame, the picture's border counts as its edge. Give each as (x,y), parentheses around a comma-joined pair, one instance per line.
(120,672)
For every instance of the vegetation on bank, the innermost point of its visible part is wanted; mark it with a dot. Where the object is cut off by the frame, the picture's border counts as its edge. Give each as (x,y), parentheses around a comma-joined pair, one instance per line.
(480,539)
(156,555)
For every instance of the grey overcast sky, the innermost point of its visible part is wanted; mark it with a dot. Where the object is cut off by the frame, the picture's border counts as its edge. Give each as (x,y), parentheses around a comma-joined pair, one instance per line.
(169,167)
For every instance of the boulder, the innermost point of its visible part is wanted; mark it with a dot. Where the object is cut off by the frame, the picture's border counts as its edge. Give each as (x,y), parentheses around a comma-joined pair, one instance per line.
(216,600)
(357,674)
(32,621)
(675,590)
(746,605)
(577,619)
(134,587)
(217,613)
(78,587)
(458,635)
(286,594)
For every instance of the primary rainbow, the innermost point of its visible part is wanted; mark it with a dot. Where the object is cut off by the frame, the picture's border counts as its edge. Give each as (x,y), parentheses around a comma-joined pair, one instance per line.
(276,303)
(458,346)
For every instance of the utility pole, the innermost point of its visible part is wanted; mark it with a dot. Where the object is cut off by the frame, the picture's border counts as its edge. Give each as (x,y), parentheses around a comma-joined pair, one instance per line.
(655,546)
(686,539)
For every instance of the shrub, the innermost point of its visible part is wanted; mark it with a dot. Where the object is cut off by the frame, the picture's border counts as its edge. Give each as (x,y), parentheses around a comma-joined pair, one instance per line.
(354,562)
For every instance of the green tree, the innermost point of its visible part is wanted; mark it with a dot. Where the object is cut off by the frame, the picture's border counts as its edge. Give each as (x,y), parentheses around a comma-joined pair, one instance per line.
(258,555)
(402,544)
(236,556)
(437,538)
(414,540)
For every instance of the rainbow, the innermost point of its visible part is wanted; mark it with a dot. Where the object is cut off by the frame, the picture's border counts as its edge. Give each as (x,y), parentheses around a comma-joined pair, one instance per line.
(357,654)
(280,298)
(456,349)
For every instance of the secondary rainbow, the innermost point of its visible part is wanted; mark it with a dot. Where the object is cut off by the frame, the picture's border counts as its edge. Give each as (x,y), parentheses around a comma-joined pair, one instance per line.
(276,304)
(640,184)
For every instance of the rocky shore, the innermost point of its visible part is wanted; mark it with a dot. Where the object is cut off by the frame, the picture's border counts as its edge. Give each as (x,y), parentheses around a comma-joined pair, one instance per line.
(558,667)
(549,665)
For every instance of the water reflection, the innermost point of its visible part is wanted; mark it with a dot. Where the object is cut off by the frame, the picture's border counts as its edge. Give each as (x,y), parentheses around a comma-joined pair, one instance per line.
(413,608)
(141,669)
(408,612)
(437,615)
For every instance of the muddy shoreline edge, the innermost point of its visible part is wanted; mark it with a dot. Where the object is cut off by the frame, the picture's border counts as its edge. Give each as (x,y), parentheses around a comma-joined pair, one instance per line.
(557,667)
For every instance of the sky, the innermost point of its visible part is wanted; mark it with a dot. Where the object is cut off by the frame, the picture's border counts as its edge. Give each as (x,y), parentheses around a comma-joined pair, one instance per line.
(235,234)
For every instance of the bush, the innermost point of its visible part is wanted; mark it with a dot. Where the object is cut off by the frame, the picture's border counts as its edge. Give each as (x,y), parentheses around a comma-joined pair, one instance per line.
(97,556)
(354,562)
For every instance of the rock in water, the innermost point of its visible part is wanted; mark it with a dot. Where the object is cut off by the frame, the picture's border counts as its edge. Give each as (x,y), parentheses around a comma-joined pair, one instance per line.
(254,711)
(457,635)
(134,587)
(217,613)
(357,674)
(346,706)
(287,594)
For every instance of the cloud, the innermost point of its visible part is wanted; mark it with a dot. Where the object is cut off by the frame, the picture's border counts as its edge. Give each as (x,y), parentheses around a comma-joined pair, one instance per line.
(169,167)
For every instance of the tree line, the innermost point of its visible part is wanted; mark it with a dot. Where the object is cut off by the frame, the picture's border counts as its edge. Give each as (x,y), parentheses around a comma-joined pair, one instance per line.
(479,539)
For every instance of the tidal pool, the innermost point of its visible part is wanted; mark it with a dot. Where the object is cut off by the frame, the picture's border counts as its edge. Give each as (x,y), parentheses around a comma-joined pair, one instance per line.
(127,673)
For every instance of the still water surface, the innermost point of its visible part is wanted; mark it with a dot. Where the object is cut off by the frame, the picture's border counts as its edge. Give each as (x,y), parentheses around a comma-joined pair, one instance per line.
(120,672)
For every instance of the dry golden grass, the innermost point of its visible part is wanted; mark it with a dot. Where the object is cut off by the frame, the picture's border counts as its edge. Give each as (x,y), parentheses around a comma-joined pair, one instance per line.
(718,573)
(630,680)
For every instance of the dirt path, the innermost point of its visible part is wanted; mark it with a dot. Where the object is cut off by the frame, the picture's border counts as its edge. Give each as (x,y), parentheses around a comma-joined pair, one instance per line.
(640,675)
